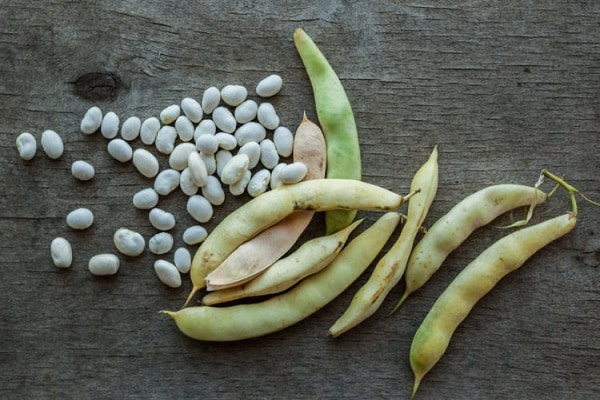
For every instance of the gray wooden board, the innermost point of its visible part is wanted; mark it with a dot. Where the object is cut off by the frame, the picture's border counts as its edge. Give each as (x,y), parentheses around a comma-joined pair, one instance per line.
(504,89)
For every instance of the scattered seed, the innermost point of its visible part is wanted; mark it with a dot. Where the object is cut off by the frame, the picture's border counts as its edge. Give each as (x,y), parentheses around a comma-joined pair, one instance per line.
(234,95)
(129,242)
(149,130)
(52,144)
(284,141)
(187,186)
(252,150)
(292,173)
(269,86)
(275,176)
(239,187)
(166,181)
(194,234)
(110,125)
(210,162)
(197,168)
(259,182)
(82,170)
(130,130)
(267,116)
(235,168)
(184,128)
(268,154)
(161,219)
(207,144)
(206,126)
(224,119)
(246,111)
(146,163)
(80,218)
(161,243)
(145,199)
(91,121)
(226,141)
(213,191)
(250,132)
(192,109)
(167,273)
(165,139)
(199,208)
(182,260)
(222,157)
(211,99)
(120,150)
(104,264)
(178,159)
(170,114)
(61,252)
(26,145)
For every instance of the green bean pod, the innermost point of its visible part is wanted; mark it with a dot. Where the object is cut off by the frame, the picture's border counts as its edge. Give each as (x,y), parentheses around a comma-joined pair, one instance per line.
(447,233)
(274,205)
(337,122)
(246,321)
(475,281)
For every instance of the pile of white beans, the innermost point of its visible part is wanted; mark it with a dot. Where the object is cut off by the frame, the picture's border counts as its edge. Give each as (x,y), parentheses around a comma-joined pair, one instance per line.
(226,140)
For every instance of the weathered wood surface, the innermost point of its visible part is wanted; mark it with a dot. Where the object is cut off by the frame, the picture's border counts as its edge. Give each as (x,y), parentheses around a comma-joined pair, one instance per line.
(505,89)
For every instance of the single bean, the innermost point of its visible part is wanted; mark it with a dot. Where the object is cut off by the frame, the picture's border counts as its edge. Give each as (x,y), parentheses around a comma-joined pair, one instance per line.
(197,168)
(234,95)
(246,111)
(110,125)
(166,181)
(238,188)
(226,141)
(336,119)
(167,273)
(185,128)
(268,154)
(129,242)
(26,145)
(235,168)
(199,208)
(80,218)
(472,283)
(61,252)
(213,191)
(160,243)
(269,86)
(211,99)
(149,130)
(52,144)
(447,233)
(271,207)
(92,120)
(186,184)
(284,141)
(120,150)
(222,157)
(309,258)
(130,130)
(192,109)
(146,163)
(224,119)
(293,173)
(104,264)
(145,199)
(161,219)
(267,116)
(170,114)
(390,268)
(246,321)
(182,260)
(165,139)
(178,159)
(250,132)
(194,234)
(206,126)
(82,170)
(259,182)
(252,150)
(276,176)
(207,144)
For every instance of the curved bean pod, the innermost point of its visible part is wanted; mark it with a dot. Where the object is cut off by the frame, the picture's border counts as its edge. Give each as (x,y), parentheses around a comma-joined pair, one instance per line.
(274,205)
(253,256)
(246,321)
(336,119)
(390,268)
(475,281)
(308,259)
(458,224)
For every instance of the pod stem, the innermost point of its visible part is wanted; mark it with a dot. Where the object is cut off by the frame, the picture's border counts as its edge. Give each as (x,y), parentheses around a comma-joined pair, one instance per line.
(399,303)
(191,295)
(416,386)
(560,182)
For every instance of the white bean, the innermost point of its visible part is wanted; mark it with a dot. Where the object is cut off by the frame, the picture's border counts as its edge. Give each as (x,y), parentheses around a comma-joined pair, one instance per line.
(178,159)
(252,150)
(91,121)
(161,219)
(211,99)
(192,109)
(187,186)
(234,95)
(61,252)
(149,130)
(226,141)
(146,163)
(207,144)
(197,169)
(165,139)
(145,199)
(293,173)
(120,150)
(166,181)
(26,145)
(52,144)
(239,187)
(184,128)
(268,154)
(222,157)
(269,86)
(206,126)
(110,125)
(167,273)
(161,243)
(80,218)
(194,234)
(104,264)
(259,183)
(224,119)
(199,208)
(235,168)
(267,116)
(210,162)
(182,260)
(129,242)
(246,111)
(170,114)
(275,176)
(130,130)
(250,132)
(284,141)
(213,191)
(82,170)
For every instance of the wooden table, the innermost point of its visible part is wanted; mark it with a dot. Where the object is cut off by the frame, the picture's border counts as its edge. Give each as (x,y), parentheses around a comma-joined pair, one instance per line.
(505,91)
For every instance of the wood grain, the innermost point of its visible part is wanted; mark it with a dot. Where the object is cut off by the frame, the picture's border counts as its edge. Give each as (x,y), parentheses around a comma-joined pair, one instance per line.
(504,89)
